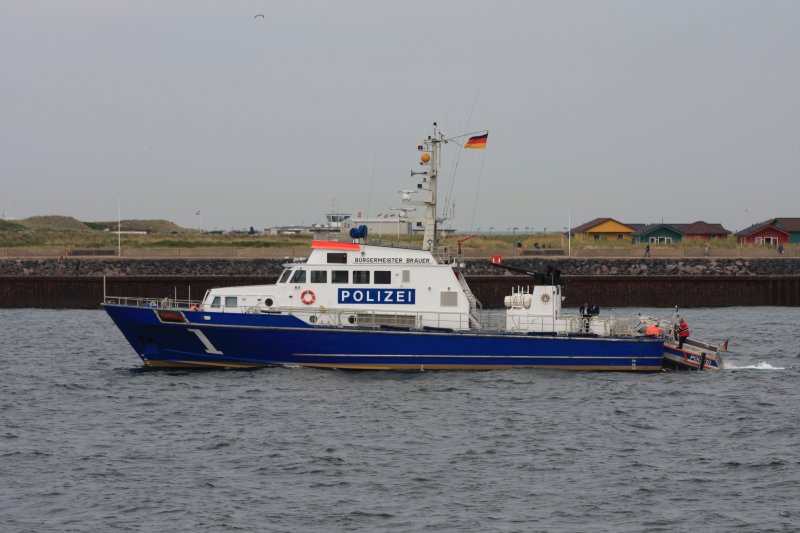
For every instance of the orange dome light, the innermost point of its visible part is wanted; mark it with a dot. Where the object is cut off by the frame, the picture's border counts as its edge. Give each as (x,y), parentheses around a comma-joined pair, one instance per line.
(425,157)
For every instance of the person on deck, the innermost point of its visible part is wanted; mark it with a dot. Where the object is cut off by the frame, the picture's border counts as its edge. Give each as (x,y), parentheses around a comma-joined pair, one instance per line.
(594,310)
(682,330)
(652,330)
(586,314)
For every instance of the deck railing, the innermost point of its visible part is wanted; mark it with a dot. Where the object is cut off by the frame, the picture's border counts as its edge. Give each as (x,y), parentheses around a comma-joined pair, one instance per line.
(488,321)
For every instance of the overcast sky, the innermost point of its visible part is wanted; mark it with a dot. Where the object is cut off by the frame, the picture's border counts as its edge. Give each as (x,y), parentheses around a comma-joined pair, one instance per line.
(638,110)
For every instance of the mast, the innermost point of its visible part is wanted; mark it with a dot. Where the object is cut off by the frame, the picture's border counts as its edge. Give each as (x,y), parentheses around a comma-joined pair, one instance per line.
(430,158)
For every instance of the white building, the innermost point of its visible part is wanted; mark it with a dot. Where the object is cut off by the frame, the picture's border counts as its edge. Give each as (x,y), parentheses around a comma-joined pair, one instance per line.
(381,225)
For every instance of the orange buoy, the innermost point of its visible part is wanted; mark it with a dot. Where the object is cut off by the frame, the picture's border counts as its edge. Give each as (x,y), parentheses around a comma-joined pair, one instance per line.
(425,157)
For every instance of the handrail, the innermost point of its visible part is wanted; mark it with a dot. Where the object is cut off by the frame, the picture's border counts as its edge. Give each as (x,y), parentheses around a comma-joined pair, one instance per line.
(158,303)
(486,321)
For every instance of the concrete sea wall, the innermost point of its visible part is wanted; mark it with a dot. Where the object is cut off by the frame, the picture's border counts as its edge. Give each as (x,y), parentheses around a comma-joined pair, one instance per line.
(781,266)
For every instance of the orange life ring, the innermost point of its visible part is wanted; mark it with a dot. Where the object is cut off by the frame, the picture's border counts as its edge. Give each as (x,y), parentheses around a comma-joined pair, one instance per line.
(307,297)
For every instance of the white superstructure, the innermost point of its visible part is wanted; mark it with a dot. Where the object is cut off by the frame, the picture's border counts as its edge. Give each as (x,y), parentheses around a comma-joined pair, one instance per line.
(353,283)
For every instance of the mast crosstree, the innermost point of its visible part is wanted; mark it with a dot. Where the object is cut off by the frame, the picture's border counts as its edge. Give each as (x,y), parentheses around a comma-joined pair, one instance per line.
(431,159)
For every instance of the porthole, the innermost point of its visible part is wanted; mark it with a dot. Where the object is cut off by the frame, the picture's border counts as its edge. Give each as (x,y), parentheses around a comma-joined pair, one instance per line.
(268,302)
(312,319)
(351,319)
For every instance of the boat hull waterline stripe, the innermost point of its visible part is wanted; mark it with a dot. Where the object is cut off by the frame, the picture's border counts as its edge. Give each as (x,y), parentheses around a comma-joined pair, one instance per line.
(460,356)
(411,367)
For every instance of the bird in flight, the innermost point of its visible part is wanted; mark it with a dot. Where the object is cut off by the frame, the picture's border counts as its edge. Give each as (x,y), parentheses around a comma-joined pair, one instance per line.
(259,15)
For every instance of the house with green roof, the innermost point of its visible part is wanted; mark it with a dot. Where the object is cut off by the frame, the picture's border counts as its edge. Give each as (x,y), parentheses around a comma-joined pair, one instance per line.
(671,233)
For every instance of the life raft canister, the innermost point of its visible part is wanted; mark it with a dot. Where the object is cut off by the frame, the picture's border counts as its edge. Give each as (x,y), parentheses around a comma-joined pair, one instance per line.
(307,297)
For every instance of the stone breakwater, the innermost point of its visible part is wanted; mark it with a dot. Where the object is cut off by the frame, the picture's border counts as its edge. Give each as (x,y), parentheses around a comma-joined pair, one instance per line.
(650,267)
(474,267)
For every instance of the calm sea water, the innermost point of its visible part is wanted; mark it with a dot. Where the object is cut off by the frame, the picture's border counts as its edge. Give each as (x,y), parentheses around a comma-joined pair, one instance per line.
(91,441)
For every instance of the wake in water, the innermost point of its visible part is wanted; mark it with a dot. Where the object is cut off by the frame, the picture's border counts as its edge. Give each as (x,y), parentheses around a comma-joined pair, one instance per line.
(761,365)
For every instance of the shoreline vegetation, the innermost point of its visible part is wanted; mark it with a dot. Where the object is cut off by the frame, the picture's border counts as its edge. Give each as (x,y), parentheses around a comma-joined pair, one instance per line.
(57,235)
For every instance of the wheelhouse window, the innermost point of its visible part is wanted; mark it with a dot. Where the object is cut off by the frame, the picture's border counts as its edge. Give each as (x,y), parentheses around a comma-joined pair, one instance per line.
(285,275)
(299,276)
(319,276)
(406,276)
(337,258)
(230,301)
(361,276)
(339,276)
(383,277)
(215,301)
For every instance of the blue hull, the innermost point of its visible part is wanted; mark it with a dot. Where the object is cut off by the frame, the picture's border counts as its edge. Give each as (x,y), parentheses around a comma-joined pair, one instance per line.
(203,339)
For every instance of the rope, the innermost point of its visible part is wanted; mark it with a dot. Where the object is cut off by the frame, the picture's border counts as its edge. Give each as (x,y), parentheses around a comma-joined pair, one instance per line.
(457,155)
(477,193)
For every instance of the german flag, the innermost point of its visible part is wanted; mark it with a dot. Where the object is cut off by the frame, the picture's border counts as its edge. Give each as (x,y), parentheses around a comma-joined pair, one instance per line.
(478,142)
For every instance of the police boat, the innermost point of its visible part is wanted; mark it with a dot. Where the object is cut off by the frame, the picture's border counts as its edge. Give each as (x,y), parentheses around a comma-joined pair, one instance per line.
(356,305)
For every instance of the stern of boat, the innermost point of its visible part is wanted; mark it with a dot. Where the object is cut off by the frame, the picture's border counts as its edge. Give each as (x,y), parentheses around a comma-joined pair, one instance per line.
(694,355)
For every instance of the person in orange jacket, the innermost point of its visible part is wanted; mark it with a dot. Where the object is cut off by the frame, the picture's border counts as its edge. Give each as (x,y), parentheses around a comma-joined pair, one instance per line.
(652,330)
(682,330)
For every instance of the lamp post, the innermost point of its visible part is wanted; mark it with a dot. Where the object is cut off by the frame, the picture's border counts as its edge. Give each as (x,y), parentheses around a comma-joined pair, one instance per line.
(119,227)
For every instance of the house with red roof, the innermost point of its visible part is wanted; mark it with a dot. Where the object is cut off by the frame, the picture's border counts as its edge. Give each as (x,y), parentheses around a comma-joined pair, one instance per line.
(703,231)
(771,232)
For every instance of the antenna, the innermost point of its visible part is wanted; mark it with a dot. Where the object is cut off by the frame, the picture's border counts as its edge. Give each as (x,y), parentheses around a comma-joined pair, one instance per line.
(407,194)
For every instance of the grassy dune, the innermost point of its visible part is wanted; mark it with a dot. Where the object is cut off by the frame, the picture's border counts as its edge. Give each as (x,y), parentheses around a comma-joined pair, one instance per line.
(67,232)
(54,222)
(7,225)
(107,240)
(153,226)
